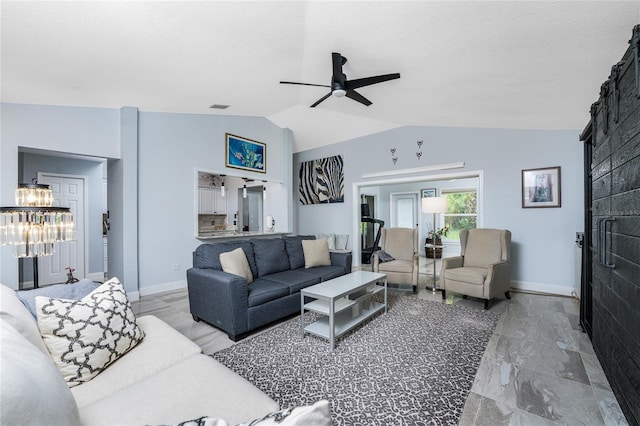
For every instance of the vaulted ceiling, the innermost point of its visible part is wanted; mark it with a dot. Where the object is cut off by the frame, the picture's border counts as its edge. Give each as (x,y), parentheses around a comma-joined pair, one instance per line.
(517,64)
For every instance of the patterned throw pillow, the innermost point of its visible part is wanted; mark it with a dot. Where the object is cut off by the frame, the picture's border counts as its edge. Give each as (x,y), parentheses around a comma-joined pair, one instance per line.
(85,336)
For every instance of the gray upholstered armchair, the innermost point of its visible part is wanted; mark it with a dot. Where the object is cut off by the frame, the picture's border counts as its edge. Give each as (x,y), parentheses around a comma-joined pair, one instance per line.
(402,245)
(482,269)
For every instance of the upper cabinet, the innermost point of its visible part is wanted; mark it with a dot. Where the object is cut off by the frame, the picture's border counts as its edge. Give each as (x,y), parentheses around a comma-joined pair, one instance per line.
(211,201)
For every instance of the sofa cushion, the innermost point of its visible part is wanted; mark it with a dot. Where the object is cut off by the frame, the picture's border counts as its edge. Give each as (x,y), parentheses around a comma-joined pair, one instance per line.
(161,348)
(271,255)
(467,274)
(294,279)
(85,336)
(15,313)
(396,266)
(293,246)
(325,272)
(59,291)
(316,253)
(235,262)
(207,256)
(33,391)
(205,386)
(263,290)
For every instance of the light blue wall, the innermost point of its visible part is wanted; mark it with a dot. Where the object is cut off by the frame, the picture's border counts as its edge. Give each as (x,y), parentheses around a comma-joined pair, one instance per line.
(74,130)
(152,158)
(171,148)
(94,171)
(543,249)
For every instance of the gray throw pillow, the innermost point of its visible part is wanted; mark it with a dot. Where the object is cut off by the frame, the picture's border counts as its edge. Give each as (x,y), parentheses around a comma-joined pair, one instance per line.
(58,291)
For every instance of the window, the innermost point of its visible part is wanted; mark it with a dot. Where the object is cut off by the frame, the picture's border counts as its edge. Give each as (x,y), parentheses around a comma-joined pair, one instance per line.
(462,212)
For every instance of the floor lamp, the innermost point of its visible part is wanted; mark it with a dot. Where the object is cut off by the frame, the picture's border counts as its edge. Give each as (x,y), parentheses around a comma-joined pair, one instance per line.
(34,226)
(434,205)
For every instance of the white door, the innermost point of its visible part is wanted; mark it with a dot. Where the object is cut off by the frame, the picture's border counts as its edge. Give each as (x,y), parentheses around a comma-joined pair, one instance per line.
(404,210)
(68,191)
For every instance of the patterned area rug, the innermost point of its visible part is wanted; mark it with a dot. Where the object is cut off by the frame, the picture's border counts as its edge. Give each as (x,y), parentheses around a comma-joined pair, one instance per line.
(412,366)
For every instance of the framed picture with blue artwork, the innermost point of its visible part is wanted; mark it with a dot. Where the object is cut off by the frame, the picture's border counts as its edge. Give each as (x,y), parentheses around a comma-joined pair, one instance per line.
(245,154)
(430,192)
(541,187)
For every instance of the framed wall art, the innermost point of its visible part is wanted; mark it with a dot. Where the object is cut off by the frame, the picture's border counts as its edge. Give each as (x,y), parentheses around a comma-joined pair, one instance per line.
(322,181)
(541,187)
(429,192)
(245,154)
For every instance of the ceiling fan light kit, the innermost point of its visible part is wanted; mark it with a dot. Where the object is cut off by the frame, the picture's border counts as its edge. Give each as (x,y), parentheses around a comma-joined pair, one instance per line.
(340,86)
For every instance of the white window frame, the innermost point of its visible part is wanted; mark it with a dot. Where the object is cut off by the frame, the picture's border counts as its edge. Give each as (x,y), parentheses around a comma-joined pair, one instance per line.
(443,216)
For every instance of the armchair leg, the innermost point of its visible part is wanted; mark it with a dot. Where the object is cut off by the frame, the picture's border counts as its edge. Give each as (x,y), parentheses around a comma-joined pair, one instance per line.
(415,289)
(444,294)
(486,304)
(507,294)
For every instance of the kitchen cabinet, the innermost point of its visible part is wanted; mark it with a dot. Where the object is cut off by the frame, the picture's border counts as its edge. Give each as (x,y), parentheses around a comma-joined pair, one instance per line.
(211,201)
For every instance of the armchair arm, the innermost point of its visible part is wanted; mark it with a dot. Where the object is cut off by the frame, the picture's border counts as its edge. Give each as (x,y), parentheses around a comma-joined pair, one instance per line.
(219,298)
(375,262)
(343,259)
(498,278)
(449,263)
(414,275)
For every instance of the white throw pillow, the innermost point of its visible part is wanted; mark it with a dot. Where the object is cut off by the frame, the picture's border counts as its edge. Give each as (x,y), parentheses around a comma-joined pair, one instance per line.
(316,253)
(318,414)
(85,336)
(33,391)
(235,262)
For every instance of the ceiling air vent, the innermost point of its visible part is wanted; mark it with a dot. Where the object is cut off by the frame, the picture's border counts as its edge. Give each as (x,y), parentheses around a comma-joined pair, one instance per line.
(218,106)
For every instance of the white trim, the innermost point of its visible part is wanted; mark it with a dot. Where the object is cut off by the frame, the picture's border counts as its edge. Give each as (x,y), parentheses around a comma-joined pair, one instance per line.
(414,170)
(560,290)
(355,199)
(164,287)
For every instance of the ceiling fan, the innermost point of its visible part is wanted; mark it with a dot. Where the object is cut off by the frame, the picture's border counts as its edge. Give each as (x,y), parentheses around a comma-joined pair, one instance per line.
(340,86)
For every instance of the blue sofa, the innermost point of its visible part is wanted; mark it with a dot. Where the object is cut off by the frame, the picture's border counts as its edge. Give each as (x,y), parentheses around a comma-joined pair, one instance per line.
(229,303)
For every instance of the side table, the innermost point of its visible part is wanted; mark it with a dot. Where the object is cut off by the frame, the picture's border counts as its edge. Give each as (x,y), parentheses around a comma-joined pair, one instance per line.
(434,247)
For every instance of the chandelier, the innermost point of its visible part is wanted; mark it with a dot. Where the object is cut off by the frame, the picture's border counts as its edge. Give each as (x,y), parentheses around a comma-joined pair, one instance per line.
(34,227)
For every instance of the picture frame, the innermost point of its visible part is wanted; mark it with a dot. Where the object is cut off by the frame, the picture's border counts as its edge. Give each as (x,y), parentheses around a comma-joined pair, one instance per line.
(541,188)
(245,154)
(429,192)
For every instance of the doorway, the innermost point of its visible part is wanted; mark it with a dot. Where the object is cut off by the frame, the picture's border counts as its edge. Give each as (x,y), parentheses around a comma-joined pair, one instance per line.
(68,191)
(404,210)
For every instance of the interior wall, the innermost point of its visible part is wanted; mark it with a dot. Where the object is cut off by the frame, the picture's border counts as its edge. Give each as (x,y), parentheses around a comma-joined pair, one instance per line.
(95,171)
(85,131)
(543,252)
(171,148)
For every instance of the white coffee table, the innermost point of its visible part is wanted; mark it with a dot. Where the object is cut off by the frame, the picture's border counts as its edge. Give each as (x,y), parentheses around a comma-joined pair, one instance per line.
(345,303)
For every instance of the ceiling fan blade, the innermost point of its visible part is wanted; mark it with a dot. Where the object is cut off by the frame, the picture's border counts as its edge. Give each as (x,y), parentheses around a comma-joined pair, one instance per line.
(367,81)
(320,100)
(304,84)
(352,94)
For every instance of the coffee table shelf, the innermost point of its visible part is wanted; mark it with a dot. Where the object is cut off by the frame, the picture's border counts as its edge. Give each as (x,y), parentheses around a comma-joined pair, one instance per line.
(344,302)
(343,321)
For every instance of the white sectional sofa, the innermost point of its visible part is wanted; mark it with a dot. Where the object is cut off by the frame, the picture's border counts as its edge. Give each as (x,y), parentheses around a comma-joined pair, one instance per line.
(165,379)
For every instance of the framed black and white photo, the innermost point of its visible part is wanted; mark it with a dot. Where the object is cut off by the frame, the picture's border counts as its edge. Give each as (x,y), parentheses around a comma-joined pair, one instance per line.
(541,187)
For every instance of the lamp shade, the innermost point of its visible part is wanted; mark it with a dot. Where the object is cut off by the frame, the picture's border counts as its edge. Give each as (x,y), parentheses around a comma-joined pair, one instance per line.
(434,205)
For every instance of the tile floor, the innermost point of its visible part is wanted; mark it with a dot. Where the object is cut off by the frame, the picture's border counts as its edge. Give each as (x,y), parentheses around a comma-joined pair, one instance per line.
(538,369)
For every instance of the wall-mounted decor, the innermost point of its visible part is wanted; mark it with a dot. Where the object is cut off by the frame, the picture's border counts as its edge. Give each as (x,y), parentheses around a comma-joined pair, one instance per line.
(245,154)
(394,158)
(430,192)
(541,187)
(322,181)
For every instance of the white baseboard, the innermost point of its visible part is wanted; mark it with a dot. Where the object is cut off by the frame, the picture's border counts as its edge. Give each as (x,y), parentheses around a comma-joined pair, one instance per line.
(559,290)
(133,296)
(161,288)
(96,276)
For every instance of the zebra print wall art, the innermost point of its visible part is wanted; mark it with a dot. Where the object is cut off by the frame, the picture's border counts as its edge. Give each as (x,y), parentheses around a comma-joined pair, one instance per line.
(322,181)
